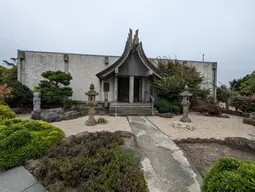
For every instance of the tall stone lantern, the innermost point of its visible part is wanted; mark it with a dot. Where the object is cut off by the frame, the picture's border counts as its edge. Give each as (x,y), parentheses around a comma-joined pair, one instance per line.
(91,103)
(185,103)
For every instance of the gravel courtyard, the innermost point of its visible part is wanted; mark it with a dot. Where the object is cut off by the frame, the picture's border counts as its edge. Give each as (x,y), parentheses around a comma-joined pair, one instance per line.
(74,126)
(206,127)
(71,127)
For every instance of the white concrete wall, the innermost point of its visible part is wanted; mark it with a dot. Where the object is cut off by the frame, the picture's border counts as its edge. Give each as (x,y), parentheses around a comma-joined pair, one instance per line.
(83,69)
(35,63)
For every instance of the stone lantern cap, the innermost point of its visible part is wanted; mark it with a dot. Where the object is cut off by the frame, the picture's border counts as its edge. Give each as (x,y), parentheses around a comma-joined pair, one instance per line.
(186,92)
(92,91)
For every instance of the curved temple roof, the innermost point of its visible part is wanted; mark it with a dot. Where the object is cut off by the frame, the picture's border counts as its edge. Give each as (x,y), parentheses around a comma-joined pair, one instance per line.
(132,45)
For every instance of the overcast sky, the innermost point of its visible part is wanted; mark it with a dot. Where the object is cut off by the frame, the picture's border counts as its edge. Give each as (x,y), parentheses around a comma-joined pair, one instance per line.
(224,30)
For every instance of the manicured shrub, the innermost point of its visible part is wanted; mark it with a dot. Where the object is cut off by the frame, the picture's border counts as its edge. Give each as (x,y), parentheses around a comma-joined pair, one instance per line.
(24,140)
(164,106)
(91,162)
(229,174)
(6,112)
(209,109)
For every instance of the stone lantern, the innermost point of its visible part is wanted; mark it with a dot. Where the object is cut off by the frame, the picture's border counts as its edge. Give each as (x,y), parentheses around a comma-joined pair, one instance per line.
(185,103)
(91,103)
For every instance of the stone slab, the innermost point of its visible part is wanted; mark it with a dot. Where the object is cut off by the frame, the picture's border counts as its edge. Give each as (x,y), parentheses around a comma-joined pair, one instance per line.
(35,188)
(18,179)
(165,167)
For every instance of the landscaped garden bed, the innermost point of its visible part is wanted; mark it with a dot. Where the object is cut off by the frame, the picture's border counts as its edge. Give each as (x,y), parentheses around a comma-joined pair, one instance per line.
(225,165)
(205,152)
(99,161)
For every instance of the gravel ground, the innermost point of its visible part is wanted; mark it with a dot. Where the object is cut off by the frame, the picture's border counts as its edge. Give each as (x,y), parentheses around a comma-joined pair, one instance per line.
(206,127)
(74,126)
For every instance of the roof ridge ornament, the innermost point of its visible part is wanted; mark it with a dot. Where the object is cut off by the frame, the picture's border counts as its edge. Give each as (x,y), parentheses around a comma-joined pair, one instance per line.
(132,41)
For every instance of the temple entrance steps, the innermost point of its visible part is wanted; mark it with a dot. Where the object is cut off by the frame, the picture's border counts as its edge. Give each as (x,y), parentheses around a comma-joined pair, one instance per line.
(125,109)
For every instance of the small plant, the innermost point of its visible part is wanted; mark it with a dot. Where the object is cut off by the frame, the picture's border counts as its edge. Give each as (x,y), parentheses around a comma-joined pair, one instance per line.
(101,121)
(230,174)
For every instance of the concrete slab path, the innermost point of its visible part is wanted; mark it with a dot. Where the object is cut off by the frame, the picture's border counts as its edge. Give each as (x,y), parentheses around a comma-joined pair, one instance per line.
(19,179)
(166,168)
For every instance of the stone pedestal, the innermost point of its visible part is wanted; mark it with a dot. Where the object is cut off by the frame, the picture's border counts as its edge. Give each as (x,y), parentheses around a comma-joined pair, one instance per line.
(37,101)
(91,103)
(185,104)
(185,117)
(91,121)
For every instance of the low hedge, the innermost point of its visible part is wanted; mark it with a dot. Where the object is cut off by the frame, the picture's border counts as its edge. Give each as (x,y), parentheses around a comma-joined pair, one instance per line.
(6,112)
(229,174)
(24,140)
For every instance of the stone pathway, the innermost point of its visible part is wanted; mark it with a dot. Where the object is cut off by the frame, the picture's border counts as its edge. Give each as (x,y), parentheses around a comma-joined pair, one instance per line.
(165,167)
(19,179)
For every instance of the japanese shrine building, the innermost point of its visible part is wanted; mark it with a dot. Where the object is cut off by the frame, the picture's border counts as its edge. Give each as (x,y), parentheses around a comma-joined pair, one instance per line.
(127,78)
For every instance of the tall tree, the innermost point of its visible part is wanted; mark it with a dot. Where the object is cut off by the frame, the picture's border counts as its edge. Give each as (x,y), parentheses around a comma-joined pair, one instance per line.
(176,76)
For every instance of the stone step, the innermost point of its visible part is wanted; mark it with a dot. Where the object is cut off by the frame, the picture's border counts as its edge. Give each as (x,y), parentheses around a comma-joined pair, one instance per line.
(146,111)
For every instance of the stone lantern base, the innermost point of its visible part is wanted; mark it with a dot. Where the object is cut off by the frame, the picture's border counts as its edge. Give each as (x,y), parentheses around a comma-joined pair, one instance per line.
(91,122)
(185,119)
(183,125)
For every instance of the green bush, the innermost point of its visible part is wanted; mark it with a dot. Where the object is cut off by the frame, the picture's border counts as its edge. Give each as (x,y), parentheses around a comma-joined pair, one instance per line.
(164,106)
(229,174)
(101,120)
(24,140)
(95,162)
(21,94)
(6,112)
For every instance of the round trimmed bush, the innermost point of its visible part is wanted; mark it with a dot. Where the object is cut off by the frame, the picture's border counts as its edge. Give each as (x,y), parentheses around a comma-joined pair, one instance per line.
(230,174)
(6,112)
(24,140)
